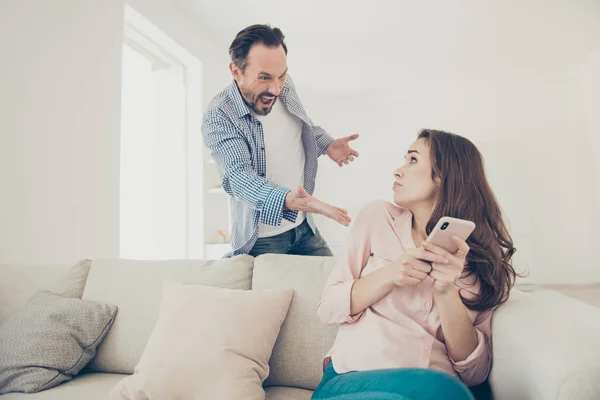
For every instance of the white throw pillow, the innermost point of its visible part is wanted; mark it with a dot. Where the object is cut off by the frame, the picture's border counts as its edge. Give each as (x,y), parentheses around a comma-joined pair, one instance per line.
(208,343)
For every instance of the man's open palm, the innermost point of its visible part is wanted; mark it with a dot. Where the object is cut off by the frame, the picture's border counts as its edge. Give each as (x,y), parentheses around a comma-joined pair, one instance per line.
(340,151)
(299,200)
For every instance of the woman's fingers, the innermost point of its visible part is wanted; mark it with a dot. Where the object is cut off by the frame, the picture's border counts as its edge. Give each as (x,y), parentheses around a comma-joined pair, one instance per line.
(436,249)
(421,266)
(463,247)
(426,255)
(416,273)
(442,269)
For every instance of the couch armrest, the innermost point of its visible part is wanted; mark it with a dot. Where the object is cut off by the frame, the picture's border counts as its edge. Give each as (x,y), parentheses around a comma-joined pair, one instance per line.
(546,346)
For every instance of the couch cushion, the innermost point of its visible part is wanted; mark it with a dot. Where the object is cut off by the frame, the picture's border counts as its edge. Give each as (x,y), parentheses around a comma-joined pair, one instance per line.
(86,386)
(297,359)
(135,287)
(18,283)
(50,340)
(545,347)
(286,393)
(223,354)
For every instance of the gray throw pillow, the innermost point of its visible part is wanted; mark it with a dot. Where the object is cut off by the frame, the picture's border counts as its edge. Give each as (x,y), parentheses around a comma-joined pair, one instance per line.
(50,340)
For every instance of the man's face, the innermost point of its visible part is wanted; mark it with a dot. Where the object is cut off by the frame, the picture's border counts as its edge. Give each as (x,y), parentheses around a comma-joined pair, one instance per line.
(263,78)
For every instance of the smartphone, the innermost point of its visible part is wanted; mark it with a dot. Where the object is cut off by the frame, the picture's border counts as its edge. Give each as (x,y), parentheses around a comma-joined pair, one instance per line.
(442,233)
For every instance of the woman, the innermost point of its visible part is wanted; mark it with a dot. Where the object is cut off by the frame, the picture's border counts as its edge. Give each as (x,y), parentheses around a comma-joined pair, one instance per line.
(415,319)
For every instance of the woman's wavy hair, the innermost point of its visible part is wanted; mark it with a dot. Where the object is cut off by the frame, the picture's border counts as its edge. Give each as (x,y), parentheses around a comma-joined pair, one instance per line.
(465,193)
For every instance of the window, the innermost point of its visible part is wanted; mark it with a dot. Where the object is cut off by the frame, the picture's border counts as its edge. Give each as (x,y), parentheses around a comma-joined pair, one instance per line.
(161,156)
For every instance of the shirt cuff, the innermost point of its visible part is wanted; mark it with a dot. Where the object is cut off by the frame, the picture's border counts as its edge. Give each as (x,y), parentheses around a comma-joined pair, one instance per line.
(290,215)
(272,211)
(346,291)
(323,142)
(462,366)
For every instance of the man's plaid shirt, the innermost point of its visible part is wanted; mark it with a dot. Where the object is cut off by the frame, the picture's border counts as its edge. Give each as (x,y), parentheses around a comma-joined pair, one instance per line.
(236,141)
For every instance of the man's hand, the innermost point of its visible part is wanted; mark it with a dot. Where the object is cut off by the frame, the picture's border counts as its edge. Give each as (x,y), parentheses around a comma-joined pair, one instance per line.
(299,200)
(340,152)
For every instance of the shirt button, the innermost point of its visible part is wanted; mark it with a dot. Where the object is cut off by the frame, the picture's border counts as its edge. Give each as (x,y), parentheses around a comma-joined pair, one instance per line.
(428,305)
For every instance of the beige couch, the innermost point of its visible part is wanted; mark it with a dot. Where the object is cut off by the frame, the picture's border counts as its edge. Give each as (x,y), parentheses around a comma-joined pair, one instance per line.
(546,345)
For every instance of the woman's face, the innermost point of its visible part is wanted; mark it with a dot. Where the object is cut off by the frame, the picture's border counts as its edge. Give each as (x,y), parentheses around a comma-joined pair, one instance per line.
(413,185)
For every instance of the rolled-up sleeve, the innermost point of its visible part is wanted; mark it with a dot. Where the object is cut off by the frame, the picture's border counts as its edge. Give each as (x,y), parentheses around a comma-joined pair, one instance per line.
(323,139)
(239,179)
(475,368)
(335,303)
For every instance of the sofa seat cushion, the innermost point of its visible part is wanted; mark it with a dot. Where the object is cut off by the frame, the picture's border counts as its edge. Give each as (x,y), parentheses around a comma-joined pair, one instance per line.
(297,359)
(20,282)
(135,287)
(286,393)
(95,386)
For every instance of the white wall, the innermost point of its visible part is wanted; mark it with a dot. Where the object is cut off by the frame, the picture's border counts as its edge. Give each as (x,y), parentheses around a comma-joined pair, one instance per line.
(59,126)
(212,53)
(185,30)
(587,82)
(59,130)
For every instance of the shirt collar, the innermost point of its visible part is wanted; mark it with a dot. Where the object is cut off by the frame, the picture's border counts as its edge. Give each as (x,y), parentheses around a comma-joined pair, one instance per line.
(402,221)
(241,108)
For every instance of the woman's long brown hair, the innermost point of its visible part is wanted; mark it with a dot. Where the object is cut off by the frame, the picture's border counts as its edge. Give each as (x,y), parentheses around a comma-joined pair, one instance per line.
(465,193)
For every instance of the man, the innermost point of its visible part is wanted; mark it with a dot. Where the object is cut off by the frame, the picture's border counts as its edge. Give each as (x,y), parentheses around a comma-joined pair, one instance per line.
(266,150)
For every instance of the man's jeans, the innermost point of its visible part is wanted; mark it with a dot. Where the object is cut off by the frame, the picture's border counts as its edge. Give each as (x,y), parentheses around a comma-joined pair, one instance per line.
(299,241)
(390,384)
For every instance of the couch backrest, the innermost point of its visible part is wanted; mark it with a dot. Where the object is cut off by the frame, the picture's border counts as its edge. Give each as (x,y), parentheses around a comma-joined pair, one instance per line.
(297,358)
(135,287)
(19,282)
(546,346)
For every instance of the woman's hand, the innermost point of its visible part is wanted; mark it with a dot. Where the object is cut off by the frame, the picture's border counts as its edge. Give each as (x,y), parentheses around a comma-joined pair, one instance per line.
(446,274)
(411,268)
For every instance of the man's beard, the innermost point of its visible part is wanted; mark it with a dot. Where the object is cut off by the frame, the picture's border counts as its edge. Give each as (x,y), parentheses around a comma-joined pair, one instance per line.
(256,105)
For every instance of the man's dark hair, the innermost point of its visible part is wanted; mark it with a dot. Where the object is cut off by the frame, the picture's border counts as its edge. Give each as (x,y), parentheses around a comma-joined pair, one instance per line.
(248,37)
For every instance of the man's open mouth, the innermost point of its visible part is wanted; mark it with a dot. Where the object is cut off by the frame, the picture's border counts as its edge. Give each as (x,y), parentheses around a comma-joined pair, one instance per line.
(267,100)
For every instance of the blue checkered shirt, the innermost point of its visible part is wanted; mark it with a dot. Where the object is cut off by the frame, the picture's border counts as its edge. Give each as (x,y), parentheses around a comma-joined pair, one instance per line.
(236,141)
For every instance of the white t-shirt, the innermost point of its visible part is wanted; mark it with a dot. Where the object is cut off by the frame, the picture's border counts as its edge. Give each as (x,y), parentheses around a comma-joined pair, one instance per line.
(285,158)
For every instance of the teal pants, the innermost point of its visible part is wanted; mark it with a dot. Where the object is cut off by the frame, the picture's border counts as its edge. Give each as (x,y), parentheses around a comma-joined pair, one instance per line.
(390,384)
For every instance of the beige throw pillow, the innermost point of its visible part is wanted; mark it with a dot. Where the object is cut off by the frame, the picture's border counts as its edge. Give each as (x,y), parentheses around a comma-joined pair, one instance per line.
(208,343)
